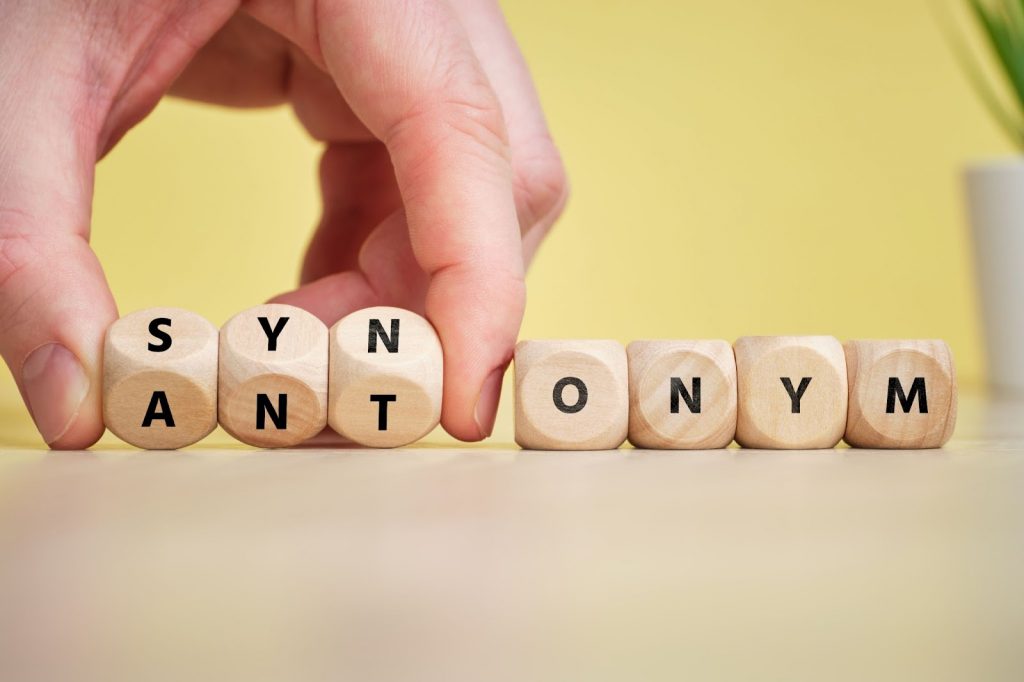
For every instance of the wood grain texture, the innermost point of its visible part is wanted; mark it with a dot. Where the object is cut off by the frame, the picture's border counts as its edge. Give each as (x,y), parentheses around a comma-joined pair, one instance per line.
(659,417)
(160,390)
(290,373)
(903,393)
(386,377)
(571,395)
(768,414)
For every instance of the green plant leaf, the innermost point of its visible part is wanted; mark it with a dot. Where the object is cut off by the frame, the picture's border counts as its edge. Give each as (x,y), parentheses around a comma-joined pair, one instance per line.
(1010,119)
(1008,48)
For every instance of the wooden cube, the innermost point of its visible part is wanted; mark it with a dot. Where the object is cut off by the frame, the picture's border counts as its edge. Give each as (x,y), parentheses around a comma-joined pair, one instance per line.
(902,394)
(682,394)
(386,377)
(792,392)
(571,395)
(273,376)
(160,378)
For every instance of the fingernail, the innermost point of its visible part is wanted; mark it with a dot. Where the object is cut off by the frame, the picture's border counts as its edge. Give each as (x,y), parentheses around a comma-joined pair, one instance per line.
(55,385)
(487,403)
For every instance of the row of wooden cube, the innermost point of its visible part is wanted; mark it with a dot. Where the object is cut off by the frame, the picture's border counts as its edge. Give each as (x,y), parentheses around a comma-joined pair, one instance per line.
(274,375)
(779,392)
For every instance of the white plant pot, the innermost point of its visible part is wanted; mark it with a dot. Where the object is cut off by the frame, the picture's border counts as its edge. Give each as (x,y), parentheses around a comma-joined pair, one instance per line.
(995,198)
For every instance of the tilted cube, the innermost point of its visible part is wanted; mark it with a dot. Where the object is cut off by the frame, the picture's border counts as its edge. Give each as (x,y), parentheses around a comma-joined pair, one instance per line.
(273,376)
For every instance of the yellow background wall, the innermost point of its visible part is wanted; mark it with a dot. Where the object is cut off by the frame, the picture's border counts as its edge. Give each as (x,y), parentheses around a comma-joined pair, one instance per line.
(737,168)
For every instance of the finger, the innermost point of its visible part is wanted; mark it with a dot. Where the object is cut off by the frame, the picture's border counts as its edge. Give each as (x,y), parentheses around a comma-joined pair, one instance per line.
(54,302)
(245,64)
(319,105)
(69,99)
(54,318)
(386,273)
(333,296)
(410,74)
(134,54)
(359,194)
(540,183)
(358,187)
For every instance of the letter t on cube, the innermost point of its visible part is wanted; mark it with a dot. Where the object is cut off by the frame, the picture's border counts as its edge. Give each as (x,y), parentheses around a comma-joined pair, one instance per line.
(387,376)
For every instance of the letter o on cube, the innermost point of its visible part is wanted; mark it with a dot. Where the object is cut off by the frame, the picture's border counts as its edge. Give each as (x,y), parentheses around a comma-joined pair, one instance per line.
(571,395)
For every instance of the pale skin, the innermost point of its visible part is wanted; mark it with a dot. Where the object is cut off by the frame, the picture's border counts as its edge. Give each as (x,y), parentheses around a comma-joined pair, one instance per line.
(439,177)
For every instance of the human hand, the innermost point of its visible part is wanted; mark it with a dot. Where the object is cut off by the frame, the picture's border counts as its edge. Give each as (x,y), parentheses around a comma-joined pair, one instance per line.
(439,178)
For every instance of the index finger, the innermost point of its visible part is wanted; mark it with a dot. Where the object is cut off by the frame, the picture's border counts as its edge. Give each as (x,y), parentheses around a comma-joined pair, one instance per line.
(409,73)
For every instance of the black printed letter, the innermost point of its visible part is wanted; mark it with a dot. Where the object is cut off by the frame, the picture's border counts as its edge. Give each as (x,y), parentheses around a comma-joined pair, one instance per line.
(581,398)
(264,408)
(165,338)
(159,400)
(917,389)
(272,334)
(676,389)
(377,331)
(795,396)
(382,408)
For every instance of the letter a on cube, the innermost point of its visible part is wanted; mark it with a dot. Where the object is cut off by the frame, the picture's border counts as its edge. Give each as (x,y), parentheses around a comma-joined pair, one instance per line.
(160,378)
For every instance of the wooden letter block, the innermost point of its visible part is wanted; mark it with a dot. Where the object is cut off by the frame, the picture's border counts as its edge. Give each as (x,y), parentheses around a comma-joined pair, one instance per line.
(273,376)
(160,378)
(902,394)
(682,394)
(571,395)
(387,373)
(792,392)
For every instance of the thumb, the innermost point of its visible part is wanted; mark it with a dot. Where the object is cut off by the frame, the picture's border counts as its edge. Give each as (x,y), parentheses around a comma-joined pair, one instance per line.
(55,305)
(54,309)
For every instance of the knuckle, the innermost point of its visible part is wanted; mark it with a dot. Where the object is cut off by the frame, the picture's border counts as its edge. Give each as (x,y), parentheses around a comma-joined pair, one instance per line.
(19,249)
(21,283)
(507,293)
(478,117)
(466,118)
(541,185)
(495,286)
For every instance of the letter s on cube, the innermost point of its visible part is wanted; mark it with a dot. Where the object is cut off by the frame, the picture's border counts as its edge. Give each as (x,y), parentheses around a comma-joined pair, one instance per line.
(160,378)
